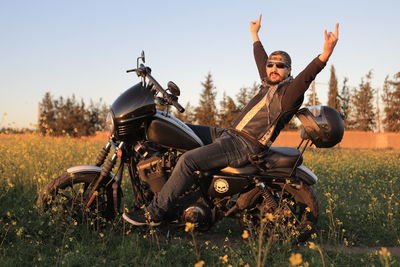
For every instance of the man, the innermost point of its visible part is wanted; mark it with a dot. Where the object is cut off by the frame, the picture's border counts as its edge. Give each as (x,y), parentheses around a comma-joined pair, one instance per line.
(255,128)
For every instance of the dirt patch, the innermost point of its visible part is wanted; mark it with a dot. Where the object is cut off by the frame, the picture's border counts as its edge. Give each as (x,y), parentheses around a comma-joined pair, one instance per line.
(361,250)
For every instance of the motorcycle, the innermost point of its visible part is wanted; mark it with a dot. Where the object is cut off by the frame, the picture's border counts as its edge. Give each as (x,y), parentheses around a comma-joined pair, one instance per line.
(148,143)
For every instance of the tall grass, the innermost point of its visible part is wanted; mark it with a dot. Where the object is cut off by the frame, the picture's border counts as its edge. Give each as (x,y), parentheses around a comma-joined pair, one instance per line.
(357,190)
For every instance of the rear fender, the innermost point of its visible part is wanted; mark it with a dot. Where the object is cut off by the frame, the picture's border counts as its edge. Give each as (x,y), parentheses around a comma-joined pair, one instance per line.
(306,175)
(302,173)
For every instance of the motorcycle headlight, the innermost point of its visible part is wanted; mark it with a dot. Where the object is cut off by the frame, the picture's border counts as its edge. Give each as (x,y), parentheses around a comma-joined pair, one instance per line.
(110,123)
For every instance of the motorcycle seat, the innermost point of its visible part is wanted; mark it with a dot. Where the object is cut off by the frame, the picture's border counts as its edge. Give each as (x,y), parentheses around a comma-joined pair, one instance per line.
(275,157)
(281,157)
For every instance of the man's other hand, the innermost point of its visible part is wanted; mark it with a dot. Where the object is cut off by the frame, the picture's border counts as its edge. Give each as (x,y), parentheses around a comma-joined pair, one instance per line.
(329,43)
(254,28)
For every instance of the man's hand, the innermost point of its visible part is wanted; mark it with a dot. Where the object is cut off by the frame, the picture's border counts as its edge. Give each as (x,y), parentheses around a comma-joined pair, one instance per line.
(254,28)
(329,43)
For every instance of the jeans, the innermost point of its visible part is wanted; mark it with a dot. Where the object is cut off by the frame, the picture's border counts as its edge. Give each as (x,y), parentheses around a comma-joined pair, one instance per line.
(227,150)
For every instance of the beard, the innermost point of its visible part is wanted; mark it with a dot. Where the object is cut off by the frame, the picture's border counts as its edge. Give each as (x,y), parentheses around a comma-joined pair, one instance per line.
(276,81)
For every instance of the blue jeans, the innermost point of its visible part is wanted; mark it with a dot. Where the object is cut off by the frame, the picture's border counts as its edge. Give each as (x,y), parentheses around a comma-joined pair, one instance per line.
(227,150)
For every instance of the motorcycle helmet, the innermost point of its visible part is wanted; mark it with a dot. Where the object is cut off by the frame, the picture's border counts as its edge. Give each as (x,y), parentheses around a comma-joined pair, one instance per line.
(323,125)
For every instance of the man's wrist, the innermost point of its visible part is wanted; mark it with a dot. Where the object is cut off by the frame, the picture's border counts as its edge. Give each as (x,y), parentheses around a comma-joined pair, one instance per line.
(255,37)
(324,57)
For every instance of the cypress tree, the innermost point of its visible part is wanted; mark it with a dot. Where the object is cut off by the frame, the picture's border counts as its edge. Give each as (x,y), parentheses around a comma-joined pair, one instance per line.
(333,95)
(391,99)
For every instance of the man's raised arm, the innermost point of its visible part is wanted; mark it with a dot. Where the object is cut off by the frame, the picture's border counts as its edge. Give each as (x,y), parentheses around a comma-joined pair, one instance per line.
(329,43)
(254,28)
(260,55)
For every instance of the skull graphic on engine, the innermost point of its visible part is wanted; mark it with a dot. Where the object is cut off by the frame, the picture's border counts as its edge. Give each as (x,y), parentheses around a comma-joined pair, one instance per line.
(221,186)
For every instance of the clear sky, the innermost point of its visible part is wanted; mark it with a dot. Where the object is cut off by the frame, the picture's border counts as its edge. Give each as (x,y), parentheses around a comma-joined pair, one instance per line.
(84,47)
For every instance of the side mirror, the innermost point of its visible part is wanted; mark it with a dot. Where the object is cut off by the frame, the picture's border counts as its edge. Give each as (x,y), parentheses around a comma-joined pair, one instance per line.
(142,56)
(173,88)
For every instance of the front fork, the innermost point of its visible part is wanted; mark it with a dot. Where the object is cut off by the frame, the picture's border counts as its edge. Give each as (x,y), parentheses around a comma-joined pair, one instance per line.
(107,167)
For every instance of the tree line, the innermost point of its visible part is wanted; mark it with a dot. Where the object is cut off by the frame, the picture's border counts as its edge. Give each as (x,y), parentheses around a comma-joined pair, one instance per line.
(363,107)
(359,106)
(68,116)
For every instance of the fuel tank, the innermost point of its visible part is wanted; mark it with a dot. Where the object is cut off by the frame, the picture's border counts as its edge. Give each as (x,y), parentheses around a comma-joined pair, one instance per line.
(131,109)
(168,131)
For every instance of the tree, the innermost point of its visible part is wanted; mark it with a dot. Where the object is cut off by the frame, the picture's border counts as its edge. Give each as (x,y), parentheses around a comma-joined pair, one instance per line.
(391,99)
(98,114)
(364,115)
(312,97)
(292,125)
(227,112)
(345,102)
(245,94)
(188,116)
(333,95)
(47,117)
(206,112)
(70,117)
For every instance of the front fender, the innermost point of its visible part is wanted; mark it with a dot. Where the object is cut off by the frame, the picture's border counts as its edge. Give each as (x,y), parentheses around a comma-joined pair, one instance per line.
(86,169)
(83,169)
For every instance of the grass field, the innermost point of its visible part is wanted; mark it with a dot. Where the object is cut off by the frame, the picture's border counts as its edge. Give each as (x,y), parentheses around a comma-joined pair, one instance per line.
(358,192)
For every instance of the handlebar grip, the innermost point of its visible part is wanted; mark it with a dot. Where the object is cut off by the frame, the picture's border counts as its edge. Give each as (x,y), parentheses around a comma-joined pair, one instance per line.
(178,106)
(132,70)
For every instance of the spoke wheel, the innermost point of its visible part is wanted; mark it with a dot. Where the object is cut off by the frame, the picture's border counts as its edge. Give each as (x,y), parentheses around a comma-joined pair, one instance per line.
(69,194)
(293,218)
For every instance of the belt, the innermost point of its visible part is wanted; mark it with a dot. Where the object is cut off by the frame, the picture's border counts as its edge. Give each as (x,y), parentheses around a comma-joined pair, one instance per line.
(248,138)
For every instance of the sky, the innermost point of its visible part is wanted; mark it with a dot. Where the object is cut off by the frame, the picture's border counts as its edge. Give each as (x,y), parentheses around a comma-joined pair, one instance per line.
(85,47)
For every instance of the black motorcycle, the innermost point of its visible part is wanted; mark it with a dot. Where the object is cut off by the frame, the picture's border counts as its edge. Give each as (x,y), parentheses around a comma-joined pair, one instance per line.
(273,187)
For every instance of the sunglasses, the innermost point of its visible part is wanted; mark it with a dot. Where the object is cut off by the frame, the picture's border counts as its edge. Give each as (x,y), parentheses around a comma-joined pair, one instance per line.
(279,65)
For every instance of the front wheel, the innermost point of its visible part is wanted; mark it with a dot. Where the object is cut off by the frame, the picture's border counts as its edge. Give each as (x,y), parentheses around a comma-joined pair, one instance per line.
(69,193)
(293,215)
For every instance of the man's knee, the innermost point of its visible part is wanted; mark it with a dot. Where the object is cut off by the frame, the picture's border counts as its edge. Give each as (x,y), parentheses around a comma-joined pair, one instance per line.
(187,158)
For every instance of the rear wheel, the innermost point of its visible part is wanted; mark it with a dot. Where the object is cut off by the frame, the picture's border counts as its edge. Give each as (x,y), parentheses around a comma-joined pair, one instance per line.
(70,193)
(293,214)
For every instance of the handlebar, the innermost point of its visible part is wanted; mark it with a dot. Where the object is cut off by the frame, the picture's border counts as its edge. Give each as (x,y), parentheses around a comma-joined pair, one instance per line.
(144,71)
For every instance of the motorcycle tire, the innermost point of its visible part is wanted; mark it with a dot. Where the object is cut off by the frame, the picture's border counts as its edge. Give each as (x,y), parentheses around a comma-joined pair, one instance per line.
(295,216)
(69,193)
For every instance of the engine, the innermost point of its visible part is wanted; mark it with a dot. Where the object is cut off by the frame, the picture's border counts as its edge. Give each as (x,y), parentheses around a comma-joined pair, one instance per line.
(152,171)
(199,214)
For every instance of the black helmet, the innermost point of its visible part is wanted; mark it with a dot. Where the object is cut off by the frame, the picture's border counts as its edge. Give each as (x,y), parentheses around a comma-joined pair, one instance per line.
(323,125)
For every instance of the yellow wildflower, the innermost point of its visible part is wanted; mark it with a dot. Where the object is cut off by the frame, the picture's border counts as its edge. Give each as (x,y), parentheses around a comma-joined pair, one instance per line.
(270,216)
(312,245)
(245,234)
(224,258)
(189,226)
(314,236)
(199,264)
(384,252)
(296,259)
